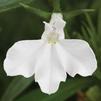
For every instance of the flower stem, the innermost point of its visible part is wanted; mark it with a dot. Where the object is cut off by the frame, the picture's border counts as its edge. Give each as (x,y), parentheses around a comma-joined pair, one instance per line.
(56,6)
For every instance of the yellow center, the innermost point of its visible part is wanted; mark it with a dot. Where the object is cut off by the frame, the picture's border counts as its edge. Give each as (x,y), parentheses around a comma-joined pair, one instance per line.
(52,37)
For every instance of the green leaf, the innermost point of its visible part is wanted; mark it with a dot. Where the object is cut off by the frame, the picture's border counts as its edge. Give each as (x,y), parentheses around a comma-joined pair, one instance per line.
(98,73)
(96,4)
(36,11)
(90,28)
(18,85)
(35,95)
(84,32)
(65,91)
(74,13)
(10,4)
(94,93)
(99,22)
(90,23)
(92,36)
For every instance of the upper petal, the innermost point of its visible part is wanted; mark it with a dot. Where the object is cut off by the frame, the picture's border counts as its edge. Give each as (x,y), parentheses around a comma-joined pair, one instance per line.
(56,25)
(77,57)
(48,29)
(21,58)
(57,21)
(49,71)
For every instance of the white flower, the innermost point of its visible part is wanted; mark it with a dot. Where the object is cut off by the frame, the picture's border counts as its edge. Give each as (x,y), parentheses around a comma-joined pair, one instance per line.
(50,58)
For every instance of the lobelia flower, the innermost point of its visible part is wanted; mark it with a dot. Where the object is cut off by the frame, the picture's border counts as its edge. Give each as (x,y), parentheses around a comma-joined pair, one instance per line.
(51,57)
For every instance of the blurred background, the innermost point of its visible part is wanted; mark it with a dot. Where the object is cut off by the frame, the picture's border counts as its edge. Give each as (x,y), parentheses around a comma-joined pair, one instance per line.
(22,19)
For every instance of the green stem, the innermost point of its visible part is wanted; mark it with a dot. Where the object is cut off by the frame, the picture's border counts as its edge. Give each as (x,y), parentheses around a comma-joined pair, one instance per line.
(56,6)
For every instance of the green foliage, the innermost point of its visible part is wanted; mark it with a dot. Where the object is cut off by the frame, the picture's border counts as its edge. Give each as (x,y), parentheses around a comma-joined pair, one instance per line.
(36,11)
(16,86)
(75,13)
(94,93)
(62,94)
(22,19)
(10,4)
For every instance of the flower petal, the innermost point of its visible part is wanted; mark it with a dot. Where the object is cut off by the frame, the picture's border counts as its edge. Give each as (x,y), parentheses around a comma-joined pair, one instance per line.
(21,58)
(77,57)
(48,29)
(57,21)
(49,72)
(58,24)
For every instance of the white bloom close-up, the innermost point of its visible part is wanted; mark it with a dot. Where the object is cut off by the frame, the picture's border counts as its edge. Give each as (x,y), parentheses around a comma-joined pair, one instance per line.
(51,58)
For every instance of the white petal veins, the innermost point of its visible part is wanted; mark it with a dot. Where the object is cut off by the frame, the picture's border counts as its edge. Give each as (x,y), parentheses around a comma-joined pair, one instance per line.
(21,58)
(77,57)
(49,72)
